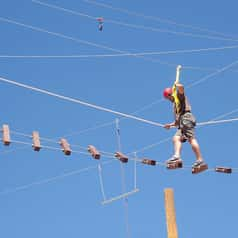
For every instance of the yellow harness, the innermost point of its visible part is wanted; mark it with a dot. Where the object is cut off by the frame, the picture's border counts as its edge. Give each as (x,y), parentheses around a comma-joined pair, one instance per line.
(176,99)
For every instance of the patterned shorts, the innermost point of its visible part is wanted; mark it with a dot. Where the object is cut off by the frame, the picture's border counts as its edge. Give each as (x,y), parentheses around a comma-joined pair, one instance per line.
(187,125)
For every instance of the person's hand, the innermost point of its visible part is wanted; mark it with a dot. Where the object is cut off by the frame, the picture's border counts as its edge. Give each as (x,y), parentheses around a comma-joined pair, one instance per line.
(167,126)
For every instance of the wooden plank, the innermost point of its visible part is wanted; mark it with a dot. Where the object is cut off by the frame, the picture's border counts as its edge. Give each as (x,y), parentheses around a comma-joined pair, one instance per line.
(36,141)
(170,213)
(6,135)
(199,169)
(65,146)
(123,158)
(94,152)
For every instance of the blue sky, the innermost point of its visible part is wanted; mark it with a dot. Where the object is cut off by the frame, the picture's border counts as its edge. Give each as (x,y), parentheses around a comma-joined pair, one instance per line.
(48,194)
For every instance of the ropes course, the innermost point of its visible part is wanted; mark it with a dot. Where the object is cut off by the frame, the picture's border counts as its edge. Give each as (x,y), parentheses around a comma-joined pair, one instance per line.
(132,159)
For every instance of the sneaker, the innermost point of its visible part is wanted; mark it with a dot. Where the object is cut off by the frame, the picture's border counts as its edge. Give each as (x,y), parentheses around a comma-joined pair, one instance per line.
(198,163)
(173,159)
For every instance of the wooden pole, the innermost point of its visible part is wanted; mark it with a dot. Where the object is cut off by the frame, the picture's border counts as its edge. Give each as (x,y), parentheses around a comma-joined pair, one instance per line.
(170,213)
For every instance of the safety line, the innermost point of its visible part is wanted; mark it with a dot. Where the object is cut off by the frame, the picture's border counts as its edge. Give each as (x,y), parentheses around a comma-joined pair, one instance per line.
(78,101)
(123,179)
(136,26)
(217,122)
(159,19)
(48,180)
(101,181)
(135,171)
(64,9)
(213,74)
(119,55)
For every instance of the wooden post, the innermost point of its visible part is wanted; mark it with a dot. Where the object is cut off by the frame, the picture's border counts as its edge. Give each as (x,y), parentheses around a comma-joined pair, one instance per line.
(170,213)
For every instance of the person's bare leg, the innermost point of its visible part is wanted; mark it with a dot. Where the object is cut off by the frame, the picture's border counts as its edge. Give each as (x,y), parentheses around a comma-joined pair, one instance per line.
(196,148)
(177,146)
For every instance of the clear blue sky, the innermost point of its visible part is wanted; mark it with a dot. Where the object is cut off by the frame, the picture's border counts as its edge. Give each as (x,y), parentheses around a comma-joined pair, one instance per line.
(47,194)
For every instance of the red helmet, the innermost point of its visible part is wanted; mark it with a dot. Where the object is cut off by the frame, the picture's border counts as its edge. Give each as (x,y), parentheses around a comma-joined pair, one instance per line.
(168,92)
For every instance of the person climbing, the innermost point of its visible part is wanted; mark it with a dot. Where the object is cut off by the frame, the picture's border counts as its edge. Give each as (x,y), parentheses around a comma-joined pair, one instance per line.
(184,121)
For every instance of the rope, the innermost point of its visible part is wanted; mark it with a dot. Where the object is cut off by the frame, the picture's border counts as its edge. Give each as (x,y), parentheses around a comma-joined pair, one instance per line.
(123,180)
(101,181)
(153,17)
(77,40)
(134,25)
(100,108)
(63,9)
(135,171)
(49,180)
(217,122)
(213,74)
(212,121)
(57,142)
(119,55)
(203,79)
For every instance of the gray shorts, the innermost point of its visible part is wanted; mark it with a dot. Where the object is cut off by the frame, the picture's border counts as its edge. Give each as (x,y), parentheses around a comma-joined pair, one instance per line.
(187,125)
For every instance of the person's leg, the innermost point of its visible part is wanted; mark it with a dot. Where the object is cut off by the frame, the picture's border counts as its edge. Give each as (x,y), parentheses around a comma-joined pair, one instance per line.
(177,146)
(196,148)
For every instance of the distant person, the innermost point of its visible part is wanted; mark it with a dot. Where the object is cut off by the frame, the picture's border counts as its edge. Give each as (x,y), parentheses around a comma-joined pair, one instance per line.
(184,121)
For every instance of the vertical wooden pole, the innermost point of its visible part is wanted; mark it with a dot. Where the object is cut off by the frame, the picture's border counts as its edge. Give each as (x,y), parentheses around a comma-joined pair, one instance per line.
(170,213)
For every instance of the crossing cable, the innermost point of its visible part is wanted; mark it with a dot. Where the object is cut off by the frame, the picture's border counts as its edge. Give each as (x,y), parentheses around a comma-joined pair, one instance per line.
(66,98)
(77,40)
(203,79)
(155,18)
(51,179)
(76,56)
(136,26)
(160,100)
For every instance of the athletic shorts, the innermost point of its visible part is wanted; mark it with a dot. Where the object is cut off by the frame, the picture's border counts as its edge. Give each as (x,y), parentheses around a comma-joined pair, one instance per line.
(187,125)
